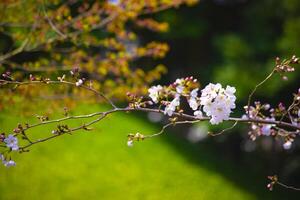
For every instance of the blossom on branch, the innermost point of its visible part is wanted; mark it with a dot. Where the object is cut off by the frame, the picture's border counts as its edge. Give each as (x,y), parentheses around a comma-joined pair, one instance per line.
(170,109)
(9,163)
(79,82)
(6,163)
(193,102)
(218,102)
(154,93)
(12,142)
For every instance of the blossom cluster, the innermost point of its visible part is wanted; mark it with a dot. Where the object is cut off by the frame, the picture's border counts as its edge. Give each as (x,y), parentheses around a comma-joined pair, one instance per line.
(12,143)
(280,113)
(217,102)
(7,163)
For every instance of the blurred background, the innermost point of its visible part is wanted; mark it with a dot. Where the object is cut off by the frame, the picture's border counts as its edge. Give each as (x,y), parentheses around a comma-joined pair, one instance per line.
(232,42)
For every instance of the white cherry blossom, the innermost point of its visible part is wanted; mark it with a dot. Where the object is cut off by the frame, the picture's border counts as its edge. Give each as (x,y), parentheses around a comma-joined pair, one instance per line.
(179,89)
(12,142)
(287,145)
(198,114)
(79,82)
(266,129)
(170,109)
(217,102)
(193,103)
(194,93)
(130,143)
(9,163)
(154,92)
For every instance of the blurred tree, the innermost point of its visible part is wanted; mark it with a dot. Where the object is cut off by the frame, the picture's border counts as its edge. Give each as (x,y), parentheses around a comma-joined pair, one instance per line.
(98,37)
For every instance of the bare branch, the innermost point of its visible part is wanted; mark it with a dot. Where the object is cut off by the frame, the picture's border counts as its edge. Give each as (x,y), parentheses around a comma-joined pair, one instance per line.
(224,130)
(51,23)
(255,88)
(170,124)
(287,186)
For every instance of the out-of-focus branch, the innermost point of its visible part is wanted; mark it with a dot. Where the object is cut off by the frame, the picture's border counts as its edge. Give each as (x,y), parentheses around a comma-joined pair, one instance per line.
(51,23)
(19,83)
(15,51)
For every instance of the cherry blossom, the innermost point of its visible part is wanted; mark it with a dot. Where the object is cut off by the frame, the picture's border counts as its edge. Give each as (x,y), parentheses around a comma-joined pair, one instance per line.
(9,163)
(198,114)
(79,82)
(179,89)
(218,102)
(170,108)
(154,92)
(287,145)
(12,142)
(130,143)
(193,102)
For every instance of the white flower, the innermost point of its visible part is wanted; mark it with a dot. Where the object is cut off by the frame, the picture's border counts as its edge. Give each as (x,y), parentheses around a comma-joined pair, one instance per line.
(79,82)
(207,108)
(218,102)
(9,163)
(266,129)
(215,120)
(194,93)
(299,113)
(154,92)
(179,81)
(198,114)
(193,103)
(12,142)
(267,106)
(175,102)
(245,117)
(130,143)
(230,90)
(179,89)
(219,112)
(287,145)
(170,109)
(211,90)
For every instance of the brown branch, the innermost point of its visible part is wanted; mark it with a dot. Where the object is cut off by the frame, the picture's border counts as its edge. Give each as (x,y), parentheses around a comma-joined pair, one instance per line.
(51,23)
(191,119)
(71,130)
(185,116)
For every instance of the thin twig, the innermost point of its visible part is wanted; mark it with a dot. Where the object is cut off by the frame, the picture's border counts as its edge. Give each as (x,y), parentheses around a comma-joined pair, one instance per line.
(51,23)
(287,186)
(170,124)
(224,130)
(71,130)
(254,90)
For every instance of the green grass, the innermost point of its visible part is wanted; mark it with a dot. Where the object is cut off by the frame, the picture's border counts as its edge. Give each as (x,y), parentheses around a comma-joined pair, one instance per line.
(99,165)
